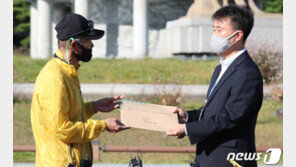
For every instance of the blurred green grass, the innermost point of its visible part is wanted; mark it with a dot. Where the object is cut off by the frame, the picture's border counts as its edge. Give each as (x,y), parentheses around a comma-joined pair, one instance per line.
(24,157)
(269,133)
(145,71)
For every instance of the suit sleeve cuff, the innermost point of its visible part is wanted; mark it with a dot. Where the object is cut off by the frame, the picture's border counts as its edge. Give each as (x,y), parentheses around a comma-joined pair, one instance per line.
(191,116)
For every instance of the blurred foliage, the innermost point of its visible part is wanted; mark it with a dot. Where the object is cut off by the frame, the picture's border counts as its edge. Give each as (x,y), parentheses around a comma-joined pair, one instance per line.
(21,23)
(273,6)
(270,63)
(269,58)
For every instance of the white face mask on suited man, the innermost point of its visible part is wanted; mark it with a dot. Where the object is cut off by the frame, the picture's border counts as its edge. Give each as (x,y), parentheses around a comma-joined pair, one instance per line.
(220,44)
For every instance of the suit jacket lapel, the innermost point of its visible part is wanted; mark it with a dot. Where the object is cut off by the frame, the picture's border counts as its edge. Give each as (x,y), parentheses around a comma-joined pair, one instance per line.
(214,78)
(227,73)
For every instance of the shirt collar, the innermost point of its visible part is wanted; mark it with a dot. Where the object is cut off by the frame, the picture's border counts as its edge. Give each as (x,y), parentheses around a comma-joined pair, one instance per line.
(227,62)
(68,68)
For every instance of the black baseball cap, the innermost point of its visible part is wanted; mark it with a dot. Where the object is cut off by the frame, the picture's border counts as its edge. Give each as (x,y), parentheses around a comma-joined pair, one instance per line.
(74,25)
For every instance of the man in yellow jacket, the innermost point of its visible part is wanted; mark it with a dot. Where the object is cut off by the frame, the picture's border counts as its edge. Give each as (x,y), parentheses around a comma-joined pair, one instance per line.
(60,120)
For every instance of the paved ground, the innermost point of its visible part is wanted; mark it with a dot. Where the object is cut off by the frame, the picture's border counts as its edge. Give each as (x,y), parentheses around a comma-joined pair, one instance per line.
(126,165)
(95,91)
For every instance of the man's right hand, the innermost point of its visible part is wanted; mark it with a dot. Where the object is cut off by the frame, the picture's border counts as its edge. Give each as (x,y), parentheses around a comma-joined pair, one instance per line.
(113,125)
(181,115)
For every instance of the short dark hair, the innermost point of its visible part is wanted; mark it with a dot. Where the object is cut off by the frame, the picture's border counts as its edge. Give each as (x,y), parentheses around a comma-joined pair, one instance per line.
(241,18)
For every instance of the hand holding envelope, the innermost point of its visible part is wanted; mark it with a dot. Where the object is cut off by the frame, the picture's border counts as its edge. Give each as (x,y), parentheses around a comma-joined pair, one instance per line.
(181,115)
(179,130)
(113,125)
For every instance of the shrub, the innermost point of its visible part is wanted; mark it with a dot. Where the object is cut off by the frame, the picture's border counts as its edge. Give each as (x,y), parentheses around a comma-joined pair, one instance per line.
(270,61)
(21,23)
(170,96)
(273,6)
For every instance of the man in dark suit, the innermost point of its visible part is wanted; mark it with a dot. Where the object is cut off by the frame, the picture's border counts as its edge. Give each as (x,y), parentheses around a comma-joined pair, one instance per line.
(226,123)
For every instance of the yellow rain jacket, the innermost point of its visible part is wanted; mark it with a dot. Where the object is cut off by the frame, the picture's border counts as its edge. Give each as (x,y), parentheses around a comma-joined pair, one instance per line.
(59,117)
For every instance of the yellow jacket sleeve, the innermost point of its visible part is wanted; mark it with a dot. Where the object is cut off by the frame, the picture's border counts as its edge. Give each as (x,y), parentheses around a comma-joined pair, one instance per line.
(54,101)
(89,109)
(78,132)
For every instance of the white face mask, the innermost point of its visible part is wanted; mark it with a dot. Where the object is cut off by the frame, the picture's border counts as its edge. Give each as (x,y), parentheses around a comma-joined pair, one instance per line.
(220,44)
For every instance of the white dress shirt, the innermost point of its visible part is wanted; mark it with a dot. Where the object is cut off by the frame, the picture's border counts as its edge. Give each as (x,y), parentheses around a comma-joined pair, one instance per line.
(225,63)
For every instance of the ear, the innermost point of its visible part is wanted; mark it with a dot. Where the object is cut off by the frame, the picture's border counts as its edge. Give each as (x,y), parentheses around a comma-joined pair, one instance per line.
(240,35)
(74,47)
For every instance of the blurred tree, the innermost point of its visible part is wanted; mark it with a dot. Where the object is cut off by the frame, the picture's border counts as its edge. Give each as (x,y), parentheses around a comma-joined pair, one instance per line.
(273,6)
(21,23)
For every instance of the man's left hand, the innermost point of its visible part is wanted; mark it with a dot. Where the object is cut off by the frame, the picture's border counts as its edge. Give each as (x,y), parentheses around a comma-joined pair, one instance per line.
(178,131)
(107,104)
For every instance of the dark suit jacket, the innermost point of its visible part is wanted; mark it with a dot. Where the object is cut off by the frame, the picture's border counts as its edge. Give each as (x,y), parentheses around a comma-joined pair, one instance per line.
(230,114)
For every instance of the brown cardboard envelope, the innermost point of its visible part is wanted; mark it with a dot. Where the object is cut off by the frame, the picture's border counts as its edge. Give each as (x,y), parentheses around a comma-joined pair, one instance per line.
(147,116)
